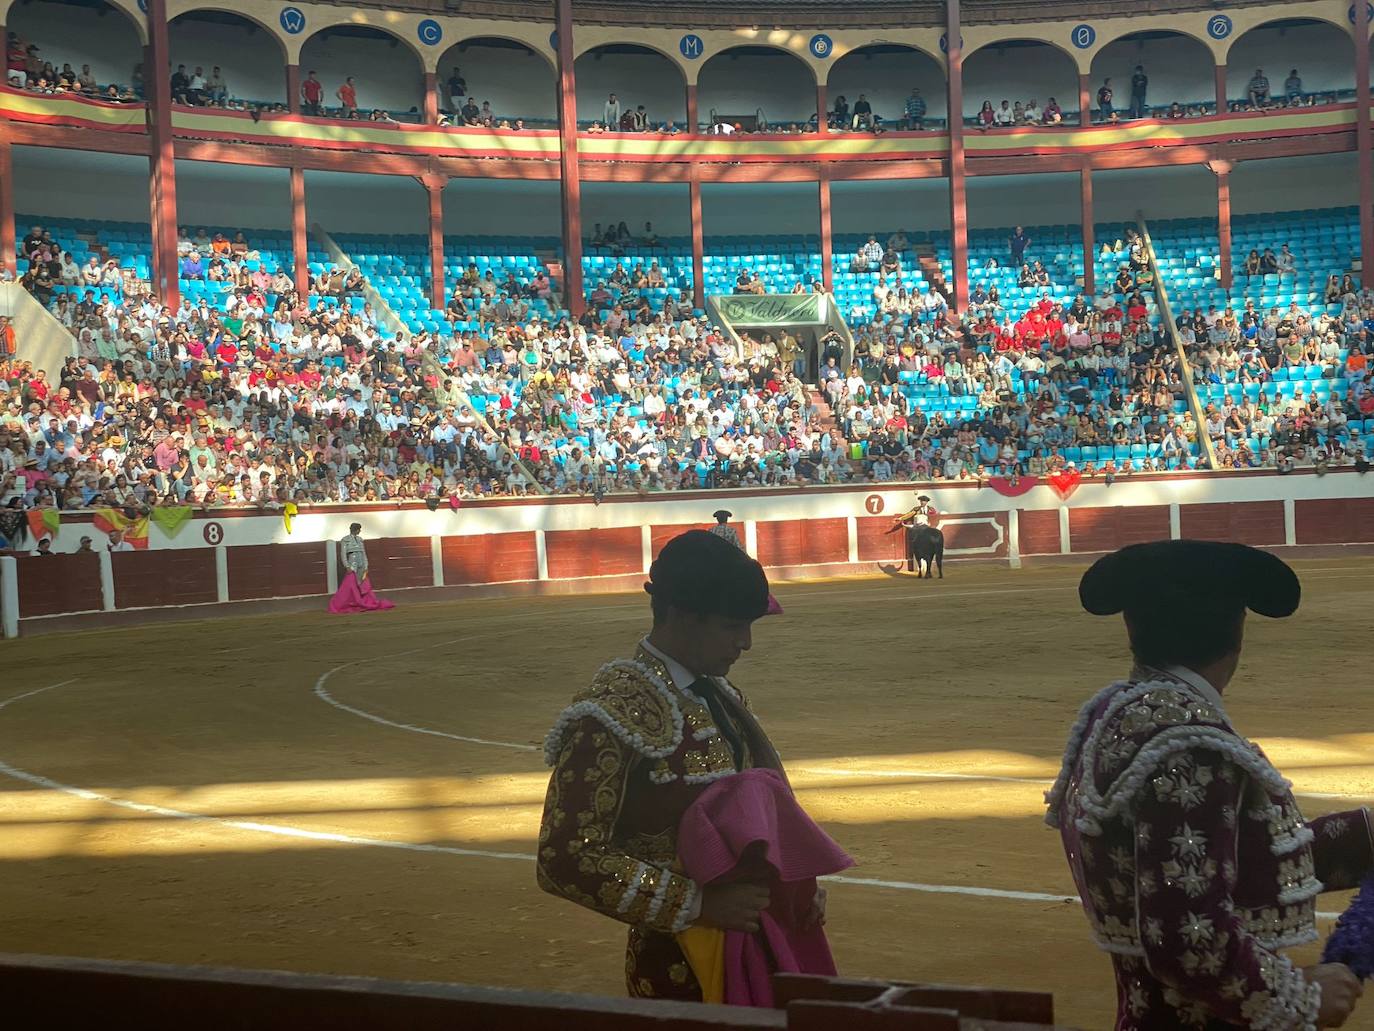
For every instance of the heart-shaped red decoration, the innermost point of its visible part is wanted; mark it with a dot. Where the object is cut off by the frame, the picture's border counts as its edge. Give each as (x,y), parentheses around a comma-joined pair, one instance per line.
(1065,482)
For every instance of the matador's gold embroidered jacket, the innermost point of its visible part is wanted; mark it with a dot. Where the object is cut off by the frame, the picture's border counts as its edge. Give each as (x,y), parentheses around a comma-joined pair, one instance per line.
(1192,860)
(630,754)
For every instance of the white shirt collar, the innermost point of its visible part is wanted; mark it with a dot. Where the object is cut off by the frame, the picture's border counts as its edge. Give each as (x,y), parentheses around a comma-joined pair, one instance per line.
(1198,683)
(683,678)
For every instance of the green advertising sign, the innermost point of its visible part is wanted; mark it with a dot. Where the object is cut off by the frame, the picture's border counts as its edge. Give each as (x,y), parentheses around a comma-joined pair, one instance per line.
(745,310)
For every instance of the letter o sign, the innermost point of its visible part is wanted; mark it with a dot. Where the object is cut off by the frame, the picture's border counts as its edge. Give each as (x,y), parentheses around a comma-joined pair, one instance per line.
(1219,26)
(1083,36)
(213,533)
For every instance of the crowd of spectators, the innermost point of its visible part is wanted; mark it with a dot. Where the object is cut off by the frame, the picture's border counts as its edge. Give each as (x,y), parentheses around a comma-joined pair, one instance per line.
(270,397)
(26,69)
(1285,362)
(1026,388)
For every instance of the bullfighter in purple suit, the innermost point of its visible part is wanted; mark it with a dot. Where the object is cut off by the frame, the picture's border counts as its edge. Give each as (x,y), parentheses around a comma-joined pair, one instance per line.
(1194,864)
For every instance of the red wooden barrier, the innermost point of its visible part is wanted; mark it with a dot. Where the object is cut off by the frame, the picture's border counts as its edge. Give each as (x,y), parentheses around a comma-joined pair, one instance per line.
(802,542)
(58,583)
(278,570)
(48,991)
(1257,523)
(148,578)
(661,535)
(609,552)
(491,559)
(1343,521)
(1040,532)
(396,562)
(1106,529)
(876,544)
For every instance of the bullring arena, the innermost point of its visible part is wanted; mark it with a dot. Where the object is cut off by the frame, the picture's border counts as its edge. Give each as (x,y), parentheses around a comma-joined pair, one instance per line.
(360,795)
(360,362)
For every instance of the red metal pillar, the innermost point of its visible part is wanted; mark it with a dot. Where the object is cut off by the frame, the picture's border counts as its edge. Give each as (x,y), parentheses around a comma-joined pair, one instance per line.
(827,246)
(434,186)
(431,104)
(1363,143)
(958,197)
(154,183)
(162,158)
(692,124)
(822,107)
(293,88)
(572,184)
(300,240)
(7,208)
(1085,181)
(1085,100)
(1221,89)
(1222,170)
(698,244)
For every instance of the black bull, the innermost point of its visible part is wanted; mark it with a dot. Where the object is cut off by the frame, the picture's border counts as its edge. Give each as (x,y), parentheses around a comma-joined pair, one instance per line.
(925,544)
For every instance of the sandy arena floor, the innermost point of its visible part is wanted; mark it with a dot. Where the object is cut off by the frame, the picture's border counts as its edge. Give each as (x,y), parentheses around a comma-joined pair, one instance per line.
(361,795)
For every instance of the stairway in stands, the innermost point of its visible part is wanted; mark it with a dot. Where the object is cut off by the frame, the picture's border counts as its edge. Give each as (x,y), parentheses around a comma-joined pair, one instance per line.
(822,415)
(554,265)
(929,263)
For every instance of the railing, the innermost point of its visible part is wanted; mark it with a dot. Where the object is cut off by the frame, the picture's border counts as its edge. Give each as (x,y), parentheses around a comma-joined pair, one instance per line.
(45,117)
(1166,313)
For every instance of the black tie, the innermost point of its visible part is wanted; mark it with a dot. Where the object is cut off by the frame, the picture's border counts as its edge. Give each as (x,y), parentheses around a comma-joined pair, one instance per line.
(710,692)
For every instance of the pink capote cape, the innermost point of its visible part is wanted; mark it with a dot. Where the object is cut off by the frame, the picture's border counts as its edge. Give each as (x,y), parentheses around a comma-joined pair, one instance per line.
(356,595)
(749,826)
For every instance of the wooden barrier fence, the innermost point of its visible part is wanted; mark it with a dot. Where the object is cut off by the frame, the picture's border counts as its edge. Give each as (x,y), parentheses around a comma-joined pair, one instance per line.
(59,992)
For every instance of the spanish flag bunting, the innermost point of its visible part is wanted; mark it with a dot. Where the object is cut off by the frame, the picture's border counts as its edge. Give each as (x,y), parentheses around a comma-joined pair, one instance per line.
(135,530)
(43,522)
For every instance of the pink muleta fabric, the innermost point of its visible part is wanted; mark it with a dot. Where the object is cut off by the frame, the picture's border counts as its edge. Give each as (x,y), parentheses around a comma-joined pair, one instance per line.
(749,826)
(356,595)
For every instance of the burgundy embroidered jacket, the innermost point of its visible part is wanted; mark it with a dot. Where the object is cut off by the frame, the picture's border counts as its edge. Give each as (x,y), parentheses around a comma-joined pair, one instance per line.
(1194,864)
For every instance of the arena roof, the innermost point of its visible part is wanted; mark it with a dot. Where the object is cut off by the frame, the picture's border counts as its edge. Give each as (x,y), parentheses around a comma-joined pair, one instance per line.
(700,14)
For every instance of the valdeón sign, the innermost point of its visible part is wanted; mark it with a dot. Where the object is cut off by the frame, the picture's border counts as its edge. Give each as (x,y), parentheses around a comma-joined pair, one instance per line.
(772,309)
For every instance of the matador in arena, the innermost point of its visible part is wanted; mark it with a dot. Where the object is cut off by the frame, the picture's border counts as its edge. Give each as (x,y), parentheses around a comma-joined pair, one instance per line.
(1194,863)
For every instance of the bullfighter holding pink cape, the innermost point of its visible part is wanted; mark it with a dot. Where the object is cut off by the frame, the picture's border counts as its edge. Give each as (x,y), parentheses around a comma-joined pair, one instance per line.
(355,592)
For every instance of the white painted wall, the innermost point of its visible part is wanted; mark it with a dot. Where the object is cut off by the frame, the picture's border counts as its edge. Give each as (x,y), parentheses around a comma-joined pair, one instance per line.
(519,83)
(1323,54)
(735,84)
(490,207)
(1290,184)
(205,198)
(1179,68)
(666,205)
(116,187)
(881,207)
(345,203)
(250,59)
(886,80)
(107,41)
(330,522)
(387,73)
(648,79)
(1015,73)
(776,209)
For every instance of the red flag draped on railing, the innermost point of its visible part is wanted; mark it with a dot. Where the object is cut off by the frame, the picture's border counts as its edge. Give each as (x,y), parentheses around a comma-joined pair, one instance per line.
(135,529)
